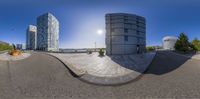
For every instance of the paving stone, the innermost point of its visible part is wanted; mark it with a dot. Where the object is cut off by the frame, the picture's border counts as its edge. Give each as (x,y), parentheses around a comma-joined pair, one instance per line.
(101,70)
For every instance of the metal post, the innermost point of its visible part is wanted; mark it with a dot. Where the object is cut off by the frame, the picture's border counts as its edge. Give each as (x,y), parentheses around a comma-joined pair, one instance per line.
(95,46)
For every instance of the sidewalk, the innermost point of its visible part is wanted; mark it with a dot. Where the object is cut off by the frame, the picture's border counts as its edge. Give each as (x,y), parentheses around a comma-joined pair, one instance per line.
(1,52)
(6,57)
(191,56)
(106,70)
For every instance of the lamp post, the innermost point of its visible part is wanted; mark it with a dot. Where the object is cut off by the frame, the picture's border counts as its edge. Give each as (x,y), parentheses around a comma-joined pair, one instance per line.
(99,32)
(95,46)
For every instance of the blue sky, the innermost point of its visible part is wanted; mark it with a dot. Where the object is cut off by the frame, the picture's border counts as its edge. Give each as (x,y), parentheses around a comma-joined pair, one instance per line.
(80,19)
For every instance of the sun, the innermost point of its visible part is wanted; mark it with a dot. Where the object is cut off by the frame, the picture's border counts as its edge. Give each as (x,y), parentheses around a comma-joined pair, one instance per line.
(100,32)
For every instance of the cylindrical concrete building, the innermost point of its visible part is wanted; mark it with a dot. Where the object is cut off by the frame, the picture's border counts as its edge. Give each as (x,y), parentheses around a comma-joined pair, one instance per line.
(125,34)
(169,42)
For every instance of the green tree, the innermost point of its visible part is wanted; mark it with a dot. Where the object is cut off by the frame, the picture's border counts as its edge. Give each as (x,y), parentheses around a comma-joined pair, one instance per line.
(182,44)
(196,44)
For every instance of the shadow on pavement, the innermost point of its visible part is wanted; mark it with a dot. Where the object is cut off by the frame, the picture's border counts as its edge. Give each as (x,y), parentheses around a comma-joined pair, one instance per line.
(165,62)
(126,61)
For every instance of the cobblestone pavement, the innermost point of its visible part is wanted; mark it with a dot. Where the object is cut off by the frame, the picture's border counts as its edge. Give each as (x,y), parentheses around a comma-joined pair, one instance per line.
(43,77)
(112,66)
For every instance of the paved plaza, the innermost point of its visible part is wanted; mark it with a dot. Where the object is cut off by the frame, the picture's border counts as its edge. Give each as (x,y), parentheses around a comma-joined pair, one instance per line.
(115,69)
(42,76)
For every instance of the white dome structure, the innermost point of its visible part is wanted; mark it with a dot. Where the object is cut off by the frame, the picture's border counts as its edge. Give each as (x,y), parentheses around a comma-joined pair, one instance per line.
(169,42)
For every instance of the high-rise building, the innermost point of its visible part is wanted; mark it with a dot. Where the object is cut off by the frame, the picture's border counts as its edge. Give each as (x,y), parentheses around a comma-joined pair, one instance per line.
(19,46)
(23,46)
(31,37)
(47,32)
(125,34)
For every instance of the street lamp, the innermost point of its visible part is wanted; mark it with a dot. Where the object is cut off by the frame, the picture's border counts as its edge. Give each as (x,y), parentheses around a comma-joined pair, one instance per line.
(95,46)
(99,32)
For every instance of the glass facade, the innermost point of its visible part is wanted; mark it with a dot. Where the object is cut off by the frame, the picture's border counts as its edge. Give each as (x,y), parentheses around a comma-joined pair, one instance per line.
(48,32)
(31,37)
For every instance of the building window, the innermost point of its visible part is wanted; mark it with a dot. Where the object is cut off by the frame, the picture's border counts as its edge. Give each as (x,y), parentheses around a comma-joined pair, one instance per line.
(137,22)
(137,26)
(137,18)
(125,30)
(125,17)
(138,40)
(112,30)
(125,20)
(128,25)
(138,33)
(125,38)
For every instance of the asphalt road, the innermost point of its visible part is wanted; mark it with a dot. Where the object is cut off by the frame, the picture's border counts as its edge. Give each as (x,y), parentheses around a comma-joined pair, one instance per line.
(44,77)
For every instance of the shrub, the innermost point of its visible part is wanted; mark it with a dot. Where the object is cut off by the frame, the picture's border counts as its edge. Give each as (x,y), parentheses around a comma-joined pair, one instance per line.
(15,52)
(101,52)
(89,52)
(150,48)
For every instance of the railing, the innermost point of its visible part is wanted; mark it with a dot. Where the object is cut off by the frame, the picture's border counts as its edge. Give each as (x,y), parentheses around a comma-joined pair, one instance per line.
(78,50)
(73,50)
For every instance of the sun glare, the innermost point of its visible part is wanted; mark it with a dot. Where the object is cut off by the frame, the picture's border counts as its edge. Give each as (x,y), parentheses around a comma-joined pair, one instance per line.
(99,32)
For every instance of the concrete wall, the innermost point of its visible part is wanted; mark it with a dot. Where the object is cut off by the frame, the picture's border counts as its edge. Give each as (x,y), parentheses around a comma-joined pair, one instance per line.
(124,32)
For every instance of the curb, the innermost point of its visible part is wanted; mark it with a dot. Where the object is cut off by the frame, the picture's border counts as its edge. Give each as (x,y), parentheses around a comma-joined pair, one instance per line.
(185,56)
(105,81)
(150,63)
(75,72)
(114,81)
(109,81)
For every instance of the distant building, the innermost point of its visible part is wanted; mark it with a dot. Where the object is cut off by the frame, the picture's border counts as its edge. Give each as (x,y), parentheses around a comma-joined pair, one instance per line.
(19,46)
(157,47)
(23,46)
(31,37)
(125,33)
(169,42)
(47,32)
